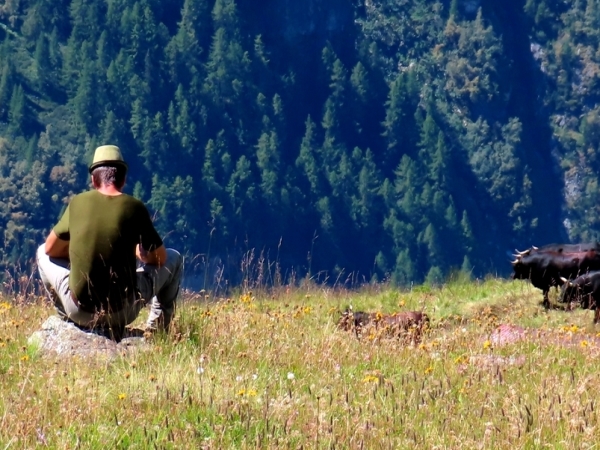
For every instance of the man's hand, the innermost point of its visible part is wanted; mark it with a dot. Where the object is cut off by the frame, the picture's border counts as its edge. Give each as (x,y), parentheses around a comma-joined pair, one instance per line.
(156,257)
(56,247)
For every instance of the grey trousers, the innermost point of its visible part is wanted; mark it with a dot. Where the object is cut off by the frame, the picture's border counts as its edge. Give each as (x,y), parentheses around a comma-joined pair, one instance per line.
(158,286)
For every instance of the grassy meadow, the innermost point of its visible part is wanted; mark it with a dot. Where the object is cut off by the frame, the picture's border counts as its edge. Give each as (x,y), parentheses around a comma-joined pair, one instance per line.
(269,369)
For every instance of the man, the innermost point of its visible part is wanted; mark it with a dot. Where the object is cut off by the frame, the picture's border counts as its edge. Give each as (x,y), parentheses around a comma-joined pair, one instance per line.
(88,262)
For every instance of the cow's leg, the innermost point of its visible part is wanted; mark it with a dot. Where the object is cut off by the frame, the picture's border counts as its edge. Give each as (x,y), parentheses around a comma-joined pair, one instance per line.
(596,315)
(546,302)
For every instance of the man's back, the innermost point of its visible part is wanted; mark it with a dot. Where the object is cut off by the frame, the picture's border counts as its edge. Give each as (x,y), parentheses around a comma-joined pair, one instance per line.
(103,231)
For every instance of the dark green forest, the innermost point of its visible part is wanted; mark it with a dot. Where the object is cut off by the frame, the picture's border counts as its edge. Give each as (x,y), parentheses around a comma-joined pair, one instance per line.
(400,140)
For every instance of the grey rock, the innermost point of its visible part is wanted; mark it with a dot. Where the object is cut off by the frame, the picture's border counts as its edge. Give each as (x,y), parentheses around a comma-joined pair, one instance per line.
(60,338)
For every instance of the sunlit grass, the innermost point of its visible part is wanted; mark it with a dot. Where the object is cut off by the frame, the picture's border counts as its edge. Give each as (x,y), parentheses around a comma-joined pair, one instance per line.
(269,369)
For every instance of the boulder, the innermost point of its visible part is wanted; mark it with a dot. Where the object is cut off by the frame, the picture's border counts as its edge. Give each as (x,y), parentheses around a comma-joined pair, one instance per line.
(60,338)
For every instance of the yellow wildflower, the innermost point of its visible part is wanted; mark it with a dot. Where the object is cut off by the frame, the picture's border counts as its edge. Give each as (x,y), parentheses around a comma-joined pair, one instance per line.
(241,393)
(584,343)
(461,360)
(122,396)
(247,297)
(487,344)
(370,379)
(429,370)
(570,328)
(25,358)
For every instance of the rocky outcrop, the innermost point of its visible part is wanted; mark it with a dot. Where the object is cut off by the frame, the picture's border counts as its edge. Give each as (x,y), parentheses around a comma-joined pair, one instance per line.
(59,338)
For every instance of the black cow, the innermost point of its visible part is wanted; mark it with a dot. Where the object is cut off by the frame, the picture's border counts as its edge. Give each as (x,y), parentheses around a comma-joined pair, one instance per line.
(584,290)
(545,267)
(562,248)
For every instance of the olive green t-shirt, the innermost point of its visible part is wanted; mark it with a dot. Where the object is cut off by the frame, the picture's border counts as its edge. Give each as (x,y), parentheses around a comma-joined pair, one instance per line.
(103,232)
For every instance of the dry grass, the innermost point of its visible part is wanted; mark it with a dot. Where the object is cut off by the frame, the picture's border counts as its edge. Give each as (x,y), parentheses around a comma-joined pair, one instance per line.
(271,370)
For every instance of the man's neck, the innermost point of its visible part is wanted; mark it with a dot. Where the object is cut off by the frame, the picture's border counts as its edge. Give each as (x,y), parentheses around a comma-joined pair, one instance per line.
(110,190)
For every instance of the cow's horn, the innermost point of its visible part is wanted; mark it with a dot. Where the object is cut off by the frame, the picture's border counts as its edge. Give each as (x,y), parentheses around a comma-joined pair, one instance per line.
(534,247)
(565,281)
(515,261)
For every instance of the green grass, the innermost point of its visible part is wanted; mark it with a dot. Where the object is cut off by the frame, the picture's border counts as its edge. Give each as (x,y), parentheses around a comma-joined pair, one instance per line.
(271,370)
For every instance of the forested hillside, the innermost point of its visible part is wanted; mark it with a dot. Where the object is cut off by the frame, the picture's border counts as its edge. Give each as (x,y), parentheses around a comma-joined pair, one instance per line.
(398,139)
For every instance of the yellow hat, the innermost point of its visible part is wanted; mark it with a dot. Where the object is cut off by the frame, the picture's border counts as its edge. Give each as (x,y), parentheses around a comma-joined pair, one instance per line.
(108,155)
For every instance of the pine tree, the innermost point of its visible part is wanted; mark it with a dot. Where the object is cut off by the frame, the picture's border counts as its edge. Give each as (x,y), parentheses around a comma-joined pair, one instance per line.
(407,184)
(55,54)
(368,201)
(155,145)
(104,52)
(404,270)
(307,160)
(42,64)
(268,161)
(359,108)
(7,84)
(191,40)
(241,189)
(399,122)
(228,63)
(17,110)
(112,128)
(87,103)
(86,20)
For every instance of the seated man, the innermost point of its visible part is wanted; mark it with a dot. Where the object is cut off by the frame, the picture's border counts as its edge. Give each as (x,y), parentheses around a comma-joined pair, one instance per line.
(88,262)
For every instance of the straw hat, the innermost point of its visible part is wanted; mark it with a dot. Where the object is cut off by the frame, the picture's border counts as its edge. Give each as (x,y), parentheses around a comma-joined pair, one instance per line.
(108,155)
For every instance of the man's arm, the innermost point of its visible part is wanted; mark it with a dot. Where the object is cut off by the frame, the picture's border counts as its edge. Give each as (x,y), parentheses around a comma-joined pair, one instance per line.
(156,257)
(56,247)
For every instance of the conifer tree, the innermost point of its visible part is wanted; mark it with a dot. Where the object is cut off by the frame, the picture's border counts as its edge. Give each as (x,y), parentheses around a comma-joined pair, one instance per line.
(42,63)
(241,189)
(7,83)
(268,161)
(307,160)
(17,109)
(228,63)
